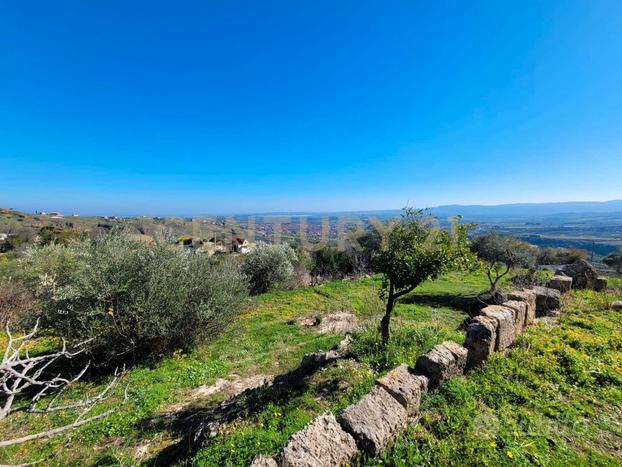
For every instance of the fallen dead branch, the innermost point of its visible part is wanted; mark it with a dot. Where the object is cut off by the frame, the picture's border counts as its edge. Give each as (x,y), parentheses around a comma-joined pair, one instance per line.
(19,371)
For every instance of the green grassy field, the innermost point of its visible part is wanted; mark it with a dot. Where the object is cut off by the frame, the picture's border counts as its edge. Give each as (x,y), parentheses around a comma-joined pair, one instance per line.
(555,399)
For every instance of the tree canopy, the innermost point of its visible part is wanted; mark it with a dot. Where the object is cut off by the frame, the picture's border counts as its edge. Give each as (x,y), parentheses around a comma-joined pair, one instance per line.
(417,249)
(502,253)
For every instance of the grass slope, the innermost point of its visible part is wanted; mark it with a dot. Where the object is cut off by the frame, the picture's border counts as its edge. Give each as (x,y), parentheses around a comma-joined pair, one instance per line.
(555,399)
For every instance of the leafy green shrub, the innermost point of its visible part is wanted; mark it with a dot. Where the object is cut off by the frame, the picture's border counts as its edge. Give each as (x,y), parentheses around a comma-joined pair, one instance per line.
(330,262)
(15,300)
(560,255)
(136,301)
(269,266)
(52,234)
(614,260)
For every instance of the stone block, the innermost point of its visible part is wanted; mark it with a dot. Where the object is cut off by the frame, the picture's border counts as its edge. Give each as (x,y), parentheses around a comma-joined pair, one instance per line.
(375,420)
(505,325)
(480,340)
(529,297)
(321,443)
(600,284)
(438,365)
(561,283)
(405,386)
(547,300)
(520,314)
(459,352)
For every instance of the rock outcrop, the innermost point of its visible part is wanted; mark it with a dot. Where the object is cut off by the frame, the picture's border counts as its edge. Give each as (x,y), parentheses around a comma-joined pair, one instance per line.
(583,274)
(338,323)
(263,461)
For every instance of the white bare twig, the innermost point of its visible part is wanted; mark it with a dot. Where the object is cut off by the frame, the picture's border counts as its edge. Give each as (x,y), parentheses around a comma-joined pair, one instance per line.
(19,371)
(79,421)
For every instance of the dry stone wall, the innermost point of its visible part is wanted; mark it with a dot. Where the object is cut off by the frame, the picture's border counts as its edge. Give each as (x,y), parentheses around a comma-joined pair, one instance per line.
(374,422)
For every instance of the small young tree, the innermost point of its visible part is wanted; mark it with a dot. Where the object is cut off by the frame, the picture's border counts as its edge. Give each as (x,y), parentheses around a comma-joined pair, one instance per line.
(416,250)
(614,260)
(501,254)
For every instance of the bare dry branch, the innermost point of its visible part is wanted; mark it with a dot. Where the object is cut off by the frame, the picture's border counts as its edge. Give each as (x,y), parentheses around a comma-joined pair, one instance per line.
(75,424)
(19,371)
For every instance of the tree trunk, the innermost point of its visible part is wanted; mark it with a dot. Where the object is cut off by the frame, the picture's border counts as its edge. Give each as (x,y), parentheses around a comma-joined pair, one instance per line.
(386,319)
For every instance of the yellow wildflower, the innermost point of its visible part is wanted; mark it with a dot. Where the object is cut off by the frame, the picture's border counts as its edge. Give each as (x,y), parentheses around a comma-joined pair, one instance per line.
(510,455)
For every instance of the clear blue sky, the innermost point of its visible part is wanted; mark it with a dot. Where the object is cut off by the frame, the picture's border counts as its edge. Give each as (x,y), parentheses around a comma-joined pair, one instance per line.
(208,107)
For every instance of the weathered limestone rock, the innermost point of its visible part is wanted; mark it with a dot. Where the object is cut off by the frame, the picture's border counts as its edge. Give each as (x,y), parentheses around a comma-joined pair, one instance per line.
(311,362)
(459,352)
(344,346)
(505,325)
(600,284)
(263,461)
(583,274)
(405,386)
(338,323)
(520,314)
(438,365)
(561,283)
(617,306)
(529,297)
(321,443)
(547,300)
(480,340)
(375,420)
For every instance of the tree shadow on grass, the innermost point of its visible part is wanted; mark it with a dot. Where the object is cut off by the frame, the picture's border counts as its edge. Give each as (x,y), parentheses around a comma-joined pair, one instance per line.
(470,304)
(195,427)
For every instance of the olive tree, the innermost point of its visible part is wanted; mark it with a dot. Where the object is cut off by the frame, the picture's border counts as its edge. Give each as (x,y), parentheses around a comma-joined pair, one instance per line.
(502,253)
(415,250)
(269,266)
(134,301)
(614,260)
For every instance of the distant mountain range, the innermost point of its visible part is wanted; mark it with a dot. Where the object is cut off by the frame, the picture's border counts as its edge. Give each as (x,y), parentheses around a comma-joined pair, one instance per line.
(522,211)
(530,210)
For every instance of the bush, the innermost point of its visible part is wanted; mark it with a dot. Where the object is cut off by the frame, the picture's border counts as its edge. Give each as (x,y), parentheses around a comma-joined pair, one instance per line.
(136,301)
(15,301)
(269,266)
(330,262)
(52,234)
(560,255)
(614,260)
